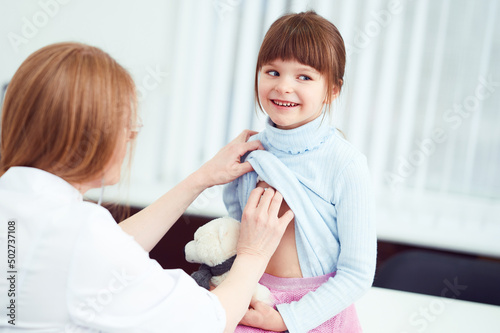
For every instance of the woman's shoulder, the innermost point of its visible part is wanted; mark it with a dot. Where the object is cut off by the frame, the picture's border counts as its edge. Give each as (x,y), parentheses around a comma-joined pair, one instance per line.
(103,243)
(98,223)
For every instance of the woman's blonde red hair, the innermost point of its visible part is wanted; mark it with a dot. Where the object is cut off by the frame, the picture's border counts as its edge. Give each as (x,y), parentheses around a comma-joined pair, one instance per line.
(65,111)
(309,39)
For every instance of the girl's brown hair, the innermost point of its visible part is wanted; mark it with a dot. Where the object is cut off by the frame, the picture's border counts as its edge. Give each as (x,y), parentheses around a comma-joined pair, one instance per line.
(65,111)
(309,39)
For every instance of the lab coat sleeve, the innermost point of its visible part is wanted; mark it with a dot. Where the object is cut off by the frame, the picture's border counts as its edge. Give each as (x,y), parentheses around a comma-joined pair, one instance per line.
(114,286)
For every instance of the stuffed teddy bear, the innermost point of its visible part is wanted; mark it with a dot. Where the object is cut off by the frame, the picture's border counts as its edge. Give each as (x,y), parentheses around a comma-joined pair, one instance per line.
(214,246)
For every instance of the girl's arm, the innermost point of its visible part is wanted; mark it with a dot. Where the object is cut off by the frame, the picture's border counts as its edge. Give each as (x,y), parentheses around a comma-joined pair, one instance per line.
(356,263)
(150,224)
(355,266)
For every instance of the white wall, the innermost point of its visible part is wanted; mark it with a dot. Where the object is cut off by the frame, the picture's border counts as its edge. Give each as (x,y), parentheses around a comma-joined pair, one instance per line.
(138,34)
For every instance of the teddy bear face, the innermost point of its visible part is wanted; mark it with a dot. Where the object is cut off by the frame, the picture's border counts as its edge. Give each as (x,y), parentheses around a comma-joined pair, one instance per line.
(214,242)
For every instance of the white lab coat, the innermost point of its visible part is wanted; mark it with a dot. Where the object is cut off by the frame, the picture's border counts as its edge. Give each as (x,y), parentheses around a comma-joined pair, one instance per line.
(77,271)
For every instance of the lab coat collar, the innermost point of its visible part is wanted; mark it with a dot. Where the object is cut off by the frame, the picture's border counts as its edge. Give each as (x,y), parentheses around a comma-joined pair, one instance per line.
(24,179)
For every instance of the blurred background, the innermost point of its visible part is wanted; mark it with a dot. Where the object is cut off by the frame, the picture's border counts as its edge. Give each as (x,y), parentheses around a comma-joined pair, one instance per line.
(421,98)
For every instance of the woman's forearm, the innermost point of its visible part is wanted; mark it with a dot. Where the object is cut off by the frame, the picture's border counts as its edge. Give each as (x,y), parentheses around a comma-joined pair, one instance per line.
(235,292)
(150,224)
(260,233)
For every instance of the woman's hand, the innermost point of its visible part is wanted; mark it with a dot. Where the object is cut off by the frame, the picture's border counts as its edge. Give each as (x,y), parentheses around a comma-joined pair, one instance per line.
(260,233)
(263,316)
(226,165)
(261,228)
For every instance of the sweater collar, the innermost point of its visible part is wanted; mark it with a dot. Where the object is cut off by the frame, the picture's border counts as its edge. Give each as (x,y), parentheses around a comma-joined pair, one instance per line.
(298,140)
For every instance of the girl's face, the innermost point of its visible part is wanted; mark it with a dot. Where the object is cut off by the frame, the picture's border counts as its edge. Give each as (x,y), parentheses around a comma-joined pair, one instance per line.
(291,93)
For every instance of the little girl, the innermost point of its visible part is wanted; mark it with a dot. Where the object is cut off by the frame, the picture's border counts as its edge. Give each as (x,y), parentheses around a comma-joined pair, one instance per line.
(326,259)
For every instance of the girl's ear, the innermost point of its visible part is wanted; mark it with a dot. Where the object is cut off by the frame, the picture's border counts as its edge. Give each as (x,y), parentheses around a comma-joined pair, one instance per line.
(334,94)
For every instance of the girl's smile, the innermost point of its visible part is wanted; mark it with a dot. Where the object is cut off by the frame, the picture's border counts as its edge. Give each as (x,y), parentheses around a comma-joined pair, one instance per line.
(286,104)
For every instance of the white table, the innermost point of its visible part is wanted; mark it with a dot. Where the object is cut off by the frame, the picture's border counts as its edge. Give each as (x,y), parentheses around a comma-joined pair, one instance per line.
(392,311)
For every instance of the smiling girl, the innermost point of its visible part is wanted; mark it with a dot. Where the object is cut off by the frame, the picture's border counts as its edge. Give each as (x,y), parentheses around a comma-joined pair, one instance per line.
(326,259)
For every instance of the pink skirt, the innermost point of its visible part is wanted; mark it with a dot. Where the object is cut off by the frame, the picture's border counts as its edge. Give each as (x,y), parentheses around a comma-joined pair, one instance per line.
(287,290)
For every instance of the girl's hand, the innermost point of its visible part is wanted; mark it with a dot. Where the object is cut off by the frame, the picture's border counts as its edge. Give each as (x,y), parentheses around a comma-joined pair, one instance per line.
(263,316)
(226,165)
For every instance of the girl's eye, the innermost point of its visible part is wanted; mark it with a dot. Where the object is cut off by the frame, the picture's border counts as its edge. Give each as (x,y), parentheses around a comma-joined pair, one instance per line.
(273,73)
(304,77)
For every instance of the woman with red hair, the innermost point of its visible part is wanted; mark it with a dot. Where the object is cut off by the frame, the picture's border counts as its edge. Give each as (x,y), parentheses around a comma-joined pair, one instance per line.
(68,119)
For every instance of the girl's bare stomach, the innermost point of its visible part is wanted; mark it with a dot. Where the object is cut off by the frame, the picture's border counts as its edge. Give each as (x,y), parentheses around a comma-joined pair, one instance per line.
(285,261)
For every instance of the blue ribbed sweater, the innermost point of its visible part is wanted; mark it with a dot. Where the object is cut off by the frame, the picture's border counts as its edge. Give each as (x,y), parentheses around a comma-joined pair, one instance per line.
(326,183)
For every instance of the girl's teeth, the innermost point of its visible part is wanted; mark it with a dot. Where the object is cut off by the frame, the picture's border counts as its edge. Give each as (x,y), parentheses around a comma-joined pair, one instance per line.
(284,104)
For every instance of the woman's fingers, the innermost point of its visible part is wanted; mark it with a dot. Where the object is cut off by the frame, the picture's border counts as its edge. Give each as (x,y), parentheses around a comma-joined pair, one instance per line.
(268,202)
(244,136)
(244,145)
(261,228)
(226,165)
(258,234)
(252,145)
(260,198)
(287,217)
(243,168)
(266,199)
(254,198)
(275,205)
(240,168)
(272,202)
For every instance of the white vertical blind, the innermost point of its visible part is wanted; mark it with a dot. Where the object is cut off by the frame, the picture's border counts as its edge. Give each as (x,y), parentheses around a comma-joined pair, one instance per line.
(220,84)
(182,94)
(412,73)
(453,150)
(484,69)
(240,113)
(385,99)
(365,62)
(433,89)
